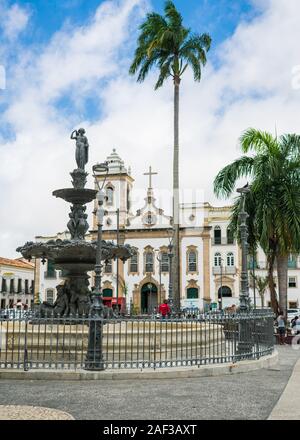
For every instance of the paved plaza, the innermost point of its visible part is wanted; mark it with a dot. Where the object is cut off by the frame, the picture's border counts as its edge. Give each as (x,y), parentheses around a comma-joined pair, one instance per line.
(251,396)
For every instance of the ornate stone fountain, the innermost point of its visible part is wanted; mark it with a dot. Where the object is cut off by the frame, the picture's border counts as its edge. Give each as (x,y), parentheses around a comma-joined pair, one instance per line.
(75,256)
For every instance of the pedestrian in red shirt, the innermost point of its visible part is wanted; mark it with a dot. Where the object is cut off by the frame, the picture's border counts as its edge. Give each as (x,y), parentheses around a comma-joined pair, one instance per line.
(164,309)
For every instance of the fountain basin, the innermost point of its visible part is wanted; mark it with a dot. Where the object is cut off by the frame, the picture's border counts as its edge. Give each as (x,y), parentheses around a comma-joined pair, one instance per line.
(76,196)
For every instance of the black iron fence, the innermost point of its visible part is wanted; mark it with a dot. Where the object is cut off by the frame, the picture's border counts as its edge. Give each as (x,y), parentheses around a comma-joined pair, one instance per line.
(33,342)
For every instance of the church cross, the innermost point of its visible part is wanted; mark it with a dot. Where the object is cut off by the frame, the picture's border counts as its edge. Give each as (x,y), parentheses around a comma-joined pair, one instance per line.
(150,174)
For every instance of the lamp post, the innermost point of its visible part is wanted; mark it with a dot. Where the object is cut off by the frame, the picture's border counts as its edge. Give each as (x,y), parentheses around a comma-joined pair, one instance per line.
(118,242)
(221,290)
(244,291)
(160,262)
(170,255)
(245,330)
(94,358)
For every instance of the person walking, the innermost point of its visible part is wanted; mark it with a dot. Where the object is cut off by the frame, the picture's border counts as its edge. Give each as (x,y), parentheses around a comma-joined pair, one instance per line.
(281,328)
(164,309)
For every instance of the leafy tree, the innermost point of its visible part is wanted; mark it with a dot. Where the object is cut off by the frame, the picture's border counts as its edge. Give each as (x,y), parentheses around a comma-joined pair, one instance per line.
(166,44)
(274,170)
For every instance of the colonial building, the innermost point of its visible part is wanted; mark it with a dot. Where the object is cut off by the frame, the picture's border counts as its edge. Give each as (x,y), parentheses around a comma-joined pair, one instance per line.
(210,258)
(16,282)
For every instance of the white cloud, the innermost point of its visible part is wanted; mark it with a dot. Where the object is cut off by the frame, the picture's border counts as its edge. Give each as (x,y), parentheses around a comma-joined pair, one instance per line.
(251,87)
(14,21)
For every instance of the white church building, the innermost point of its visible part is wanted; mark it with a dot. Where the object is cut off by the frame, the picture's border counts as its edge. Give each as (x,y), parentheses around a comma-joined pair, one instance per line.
(210,259)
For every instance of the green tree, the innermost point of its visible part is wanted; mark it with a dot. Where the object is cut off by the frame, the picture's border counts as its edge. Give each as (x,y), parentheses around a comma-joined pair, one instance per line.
(253,241)
(166,44)
(274,170)
(261,284)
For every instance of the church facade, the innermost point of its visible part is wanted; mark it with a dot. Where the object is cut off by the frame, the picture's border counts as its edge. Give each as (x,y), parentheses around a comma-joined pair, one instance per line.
(210,258)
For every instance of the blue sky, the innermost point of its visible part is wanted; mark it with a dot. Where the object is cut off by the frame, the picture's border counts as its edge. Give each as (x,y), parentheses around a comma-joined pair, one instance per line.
(218,17)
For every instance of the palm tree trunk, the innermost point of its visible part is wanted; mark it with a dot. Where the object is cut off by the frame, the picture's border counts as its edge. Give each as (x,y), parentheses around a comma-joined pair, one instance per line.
(176,243)
(282,273)
(273,295)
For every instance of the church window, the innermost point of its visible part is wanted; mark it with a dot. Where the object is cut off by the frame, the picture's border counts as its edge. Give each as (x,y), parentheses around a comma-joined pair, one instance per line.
(164,262)
(217,235)
(133,264)
(192,261)
(149,262)
(26,286)
(110,195)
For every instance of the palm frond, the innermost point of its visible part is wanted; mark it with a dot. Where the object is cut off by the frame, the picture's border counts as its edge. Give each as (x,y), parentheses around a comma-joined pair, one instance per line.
(226,179)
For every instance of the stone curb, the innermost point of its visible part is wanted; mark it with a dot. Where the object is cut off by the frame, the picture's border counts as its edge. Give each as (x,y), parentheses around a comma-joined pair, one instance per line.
(288,405)
(131,374)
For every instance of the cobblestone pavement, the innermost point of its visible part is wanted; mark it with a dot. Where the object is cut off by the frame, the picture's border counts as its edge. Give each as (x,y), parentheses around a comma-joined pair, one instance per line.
(240,396)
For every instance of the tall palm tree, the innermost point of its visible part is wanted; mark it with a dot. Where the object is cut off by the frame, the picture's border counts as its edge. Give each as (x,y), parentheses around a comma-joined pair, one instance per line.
(274,169)
(166,44)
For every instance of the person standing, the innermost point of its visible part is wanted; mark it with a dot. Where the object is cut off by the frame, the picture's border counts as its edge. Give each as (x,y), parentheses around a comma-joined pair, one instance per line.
(281,328)
(164,309)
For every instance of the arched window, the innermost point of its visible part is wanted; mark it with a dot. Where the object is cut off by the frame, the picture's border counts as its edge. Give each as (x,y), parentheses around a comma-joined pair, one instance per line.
(230,238)
(192,293)
(19,285)
(217,259)
(50,296)
(4,285)
(149,262)
(230,259)
(164,262)
(192,261)
(133,264)
(110,195)
(217,235)
(12,286)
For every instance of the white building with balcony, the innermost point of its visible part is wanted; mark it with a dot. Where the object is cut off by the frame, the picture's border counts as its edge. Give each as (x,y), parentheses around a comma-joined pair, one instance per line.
(16,283)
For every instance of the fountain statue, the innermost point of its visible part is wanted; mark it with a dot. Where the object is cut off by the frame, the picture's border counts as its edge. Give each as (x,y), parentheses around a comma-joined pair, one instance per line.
(75,257)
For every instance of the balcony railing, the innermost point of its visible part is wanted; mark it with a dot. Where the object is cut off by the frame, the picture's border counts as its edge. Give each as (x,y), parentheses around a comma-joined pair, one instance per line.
(222,241)
(227,270)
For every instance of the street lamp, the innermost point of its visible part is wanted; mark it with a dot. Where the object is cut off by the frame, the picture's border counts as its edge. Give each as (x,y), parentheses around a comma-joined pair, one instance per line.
(94,358)
(221,290)
(170,255)
(244,291)
(160,262)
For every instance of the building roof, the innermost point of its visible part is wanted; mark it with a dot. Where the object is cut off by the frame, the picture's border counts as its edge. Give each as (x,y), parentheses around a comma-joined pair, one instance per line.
(16,263)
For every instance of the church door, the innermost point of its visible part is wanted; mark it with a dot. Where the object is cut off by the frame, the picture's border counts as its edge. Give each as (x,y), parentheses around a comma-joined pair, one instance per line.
(148,298)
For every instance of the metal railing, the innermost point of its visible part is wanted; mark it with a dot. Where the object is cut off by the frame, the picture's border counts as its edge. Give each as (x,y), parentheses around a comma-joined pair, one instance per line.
(32,342)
